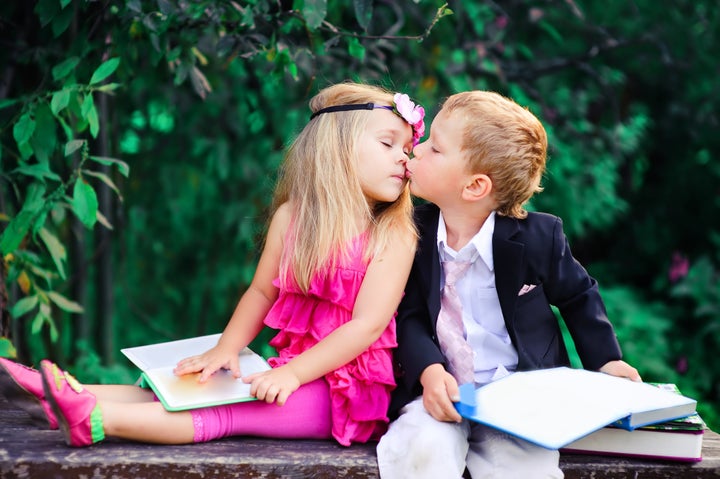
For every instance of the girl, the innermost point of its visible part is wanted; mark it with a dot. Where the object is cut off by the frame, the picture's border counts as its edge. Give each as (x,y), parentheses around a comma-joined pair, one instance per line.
(336,257)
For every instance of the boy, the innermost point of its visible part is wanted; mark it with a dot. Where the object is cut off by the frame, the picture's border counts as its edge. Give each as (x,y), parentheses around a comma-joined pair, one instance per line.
(482,162)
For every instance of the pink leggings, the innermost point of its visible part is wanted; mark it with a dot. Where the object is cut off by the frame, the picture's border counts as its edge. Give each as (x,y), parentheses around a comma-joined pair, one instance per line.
(305,415)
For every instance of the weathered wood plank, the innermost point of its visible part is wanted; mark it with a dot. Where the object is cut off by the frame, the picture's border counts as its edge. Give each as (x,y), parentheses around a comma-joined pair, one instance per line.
(30,452)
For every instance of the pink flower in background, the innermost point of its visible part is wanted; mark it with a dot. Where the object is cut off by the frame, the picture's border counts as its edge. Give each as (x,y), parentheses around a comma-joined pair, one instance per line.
(679,267)
(682,365)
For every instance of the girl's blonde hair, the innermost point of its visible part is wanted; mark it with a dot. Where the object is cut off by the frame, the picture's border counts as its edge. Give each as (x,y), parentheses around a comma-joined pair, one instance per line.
(319,181)
(504,141)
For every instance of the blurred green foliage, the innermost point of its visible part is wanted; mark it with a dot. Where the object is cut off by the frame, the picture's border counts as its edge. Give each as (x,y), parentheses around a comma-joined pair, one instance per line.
(140,140)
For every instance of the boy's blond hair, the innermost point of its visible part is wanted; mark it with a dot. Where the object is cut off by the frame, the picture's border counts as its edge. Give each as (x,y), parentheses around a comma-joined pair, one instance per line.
(504,141)
(319,180)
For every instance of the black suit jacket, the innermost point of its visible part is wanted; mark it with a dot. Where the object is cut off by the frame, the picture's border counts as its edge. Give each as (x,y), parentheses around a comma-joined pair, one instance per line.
(531,251)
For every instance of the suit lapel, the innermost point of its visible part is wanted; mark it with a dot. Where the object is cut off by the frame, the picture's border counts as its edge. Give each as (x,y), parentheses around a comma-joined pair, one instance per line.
(508,261)
(428,260)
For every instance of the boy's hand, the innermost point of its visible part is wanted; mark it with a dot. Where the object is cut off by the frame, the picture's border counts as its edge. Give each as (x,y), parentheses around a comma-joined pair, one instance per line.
(440,390)
(621,369)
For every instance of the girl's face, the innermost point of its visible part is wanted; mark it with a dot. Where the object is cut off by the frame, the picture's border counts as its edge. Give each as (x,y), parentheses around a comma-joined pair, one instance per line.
(438,170)
(383,151)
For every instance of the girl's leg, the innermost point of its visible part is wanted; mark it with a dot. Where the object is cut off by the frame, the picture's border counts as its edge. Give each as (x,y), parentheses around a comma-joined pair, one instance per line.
(146,422)
(122,393)
(305,415)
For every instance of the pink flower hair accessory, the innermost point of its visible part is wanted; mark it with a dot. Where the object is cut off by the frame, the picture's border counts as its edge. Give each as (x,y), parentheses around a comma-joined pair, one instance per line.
(411,113)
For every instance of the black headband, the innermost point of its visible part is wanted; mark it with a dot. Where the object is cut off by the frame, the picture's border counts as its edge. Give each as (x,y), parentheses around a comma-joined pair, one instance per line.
(357,106)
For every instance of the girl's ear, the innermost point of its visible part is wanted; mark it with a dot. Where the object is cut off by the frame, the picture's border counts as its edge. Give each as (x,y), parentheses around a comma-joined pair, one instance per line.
(479,187)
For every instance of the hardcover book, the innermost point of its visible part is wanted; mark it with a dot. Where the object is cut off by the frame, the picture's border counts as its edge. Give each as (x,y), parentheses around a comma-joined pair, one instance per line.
(554,407)
(676,440)
(681,445)
(178,393)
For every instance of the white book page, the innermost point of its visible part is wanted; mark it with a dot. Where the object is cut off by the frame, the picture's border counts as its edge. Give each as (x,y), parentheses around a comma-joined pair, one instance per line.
(553,407)
(183,392)
(168,354)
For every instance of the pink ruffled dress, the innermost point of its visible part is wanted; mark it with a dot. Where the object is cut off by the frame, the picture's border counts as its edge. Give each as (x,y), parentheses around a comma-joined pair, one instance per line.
(360,390)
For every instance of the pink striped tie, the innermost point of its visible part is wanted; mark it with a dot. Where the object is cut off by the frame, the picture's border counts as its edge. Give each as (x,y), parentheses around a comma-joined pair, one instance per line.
(450,329)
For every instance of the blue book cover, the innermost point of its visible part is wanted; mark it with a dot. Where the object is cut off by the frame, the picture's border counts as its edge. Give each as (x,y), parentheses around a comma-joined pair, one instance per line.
(553,407)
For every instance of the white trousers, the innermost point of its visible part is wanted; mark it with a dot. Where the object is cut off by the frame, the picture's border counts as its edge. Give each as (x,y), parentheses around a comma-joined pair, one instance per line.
(419,447)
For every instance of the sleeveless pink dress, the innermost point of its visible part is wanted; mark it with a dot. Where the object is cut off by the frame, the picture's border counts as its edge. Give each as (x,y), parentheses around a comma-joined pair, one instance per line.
(359,390)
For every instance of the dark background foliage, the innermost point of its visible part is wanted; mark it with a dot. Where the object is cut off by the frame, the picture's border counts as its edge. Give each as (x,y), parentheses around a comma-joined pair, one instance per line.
(139,142)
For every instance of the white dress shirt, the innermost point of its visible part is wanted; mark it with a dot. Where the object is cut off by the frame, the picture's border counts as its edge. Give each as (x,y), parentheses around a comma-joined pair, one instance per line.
(494,354)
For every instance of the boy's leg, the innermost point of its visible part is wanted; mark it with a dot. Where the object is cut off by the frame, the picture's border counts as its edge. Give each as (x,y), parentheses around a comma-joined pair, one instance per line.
(496,454)
(419,446)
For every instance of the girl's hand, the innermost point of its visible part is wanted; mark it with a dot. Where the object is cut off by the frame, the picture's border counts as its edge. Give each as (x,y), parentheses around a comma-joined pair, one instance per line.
(621,369)
(274,385)
(209,362)
(440,390)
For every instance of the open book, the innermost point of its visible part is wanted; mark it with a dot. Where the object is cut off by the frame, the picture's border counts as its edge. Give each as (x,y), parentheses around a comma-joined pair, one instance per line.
(177,393)
(553,407)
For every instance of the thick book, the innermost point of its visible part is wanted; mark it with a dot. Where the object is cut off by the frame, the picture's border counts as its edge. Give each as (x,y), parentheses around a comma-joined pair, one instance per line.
(676,440)
(554,407)
(645,442)
(178,393)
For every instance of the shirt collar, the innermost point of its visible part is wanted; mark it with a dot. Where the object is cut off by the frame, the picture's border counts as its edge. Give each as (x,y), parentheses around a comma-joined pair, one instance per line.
(479,246)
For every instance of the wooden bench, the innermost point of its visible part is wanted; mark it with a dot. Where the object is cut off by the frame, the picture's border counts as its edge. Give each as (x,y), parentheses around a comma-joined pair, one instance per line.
(29,452)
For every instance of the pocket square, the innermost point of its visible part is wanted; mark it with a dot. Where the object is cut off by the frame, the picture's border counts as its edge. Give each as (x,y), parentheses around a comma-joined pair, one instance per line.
(526,288)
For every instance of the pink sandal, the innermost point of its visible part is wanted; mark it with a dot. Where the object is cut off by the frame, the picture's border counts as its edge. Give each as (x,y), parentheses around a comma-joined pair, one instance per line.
(23,386)
(76,408)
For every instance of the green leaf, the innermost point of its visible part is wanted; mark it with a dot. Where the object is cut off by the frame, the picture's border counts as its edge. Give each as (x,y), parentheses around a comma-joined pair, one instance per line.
(7,350)
(6,102)
(85,203)
(552,31)
(62,21)
(24,128)
(64,3)
(16,230)
(105,179)
(73,145)
(88,104)
(89,113)
(94,122)
(63,303)
(60,100)
(314,12)
(356,49)
(37,170)
(122,167)
(363,12)
(64,68)
(109,87)
(104,221)
(24,306)
(56,249)
(37,322)
(44,138)
(104,70)
(46,10)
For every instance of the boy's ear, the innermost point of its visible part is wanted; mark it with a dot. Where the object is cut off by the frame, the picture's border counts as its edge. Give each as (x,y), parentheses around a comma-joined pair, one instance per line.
(479,187)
